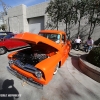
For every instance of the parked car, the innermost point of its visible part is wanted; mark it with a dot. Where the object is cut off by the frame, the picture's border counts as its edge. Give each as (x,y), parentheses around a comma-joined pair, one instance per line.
(49,50)
(6,43)
(2,34)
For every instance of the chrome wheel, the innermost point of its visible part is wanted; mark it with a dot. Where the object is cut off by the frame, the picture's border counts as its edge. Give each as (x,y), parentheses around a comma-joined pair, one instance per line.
(56,69)
(2,50)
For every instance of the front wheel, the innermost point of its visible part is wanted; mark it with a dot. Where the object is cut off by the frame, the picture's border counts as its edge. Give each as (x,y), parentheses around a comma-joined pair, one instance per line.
(3,50)
(56,69)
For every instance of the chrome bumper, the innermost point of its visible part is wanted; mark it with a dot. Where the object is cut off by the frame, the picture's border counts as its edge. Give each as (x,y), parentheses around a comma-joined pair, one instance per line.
(29,81)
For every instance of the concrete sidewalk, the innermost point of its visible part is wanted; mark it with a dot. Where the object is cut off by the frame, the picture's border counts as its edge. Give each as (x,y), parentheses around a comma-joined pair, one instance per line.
(74,69)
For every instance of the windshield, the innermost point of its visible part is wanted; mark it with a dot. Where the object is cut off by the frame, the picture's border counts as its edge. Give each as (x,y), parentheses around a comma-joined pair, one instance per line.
(8,36)
(51,36)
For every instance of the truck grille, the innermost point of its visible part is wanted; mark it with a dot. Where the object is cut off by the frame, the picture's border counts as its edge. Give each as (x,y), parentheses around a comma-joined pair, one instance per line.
(26,67)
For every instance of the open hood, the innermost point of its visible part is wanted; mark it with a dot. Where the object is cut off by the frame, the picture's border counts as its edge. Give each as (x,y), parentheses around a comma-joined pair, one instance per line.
(40,42)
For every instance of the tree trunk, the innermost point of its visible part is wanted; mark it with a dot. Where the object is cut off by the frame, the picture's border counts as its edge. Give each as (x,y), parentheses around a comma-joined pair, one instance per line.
(90,29)
(69,30)
(57,24)
(94,24)
(78,28)
(91,21)
(66,28)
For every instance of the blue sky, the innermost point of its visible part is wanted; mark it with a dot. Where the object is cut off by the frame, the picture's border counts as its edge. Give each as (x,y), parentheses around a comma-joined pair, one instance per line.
(13,3)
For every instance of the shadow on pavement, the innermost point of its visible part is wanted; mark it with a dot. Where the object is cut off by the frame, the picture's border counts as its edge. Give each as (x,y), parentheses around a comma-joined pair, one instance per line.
(8,91)
(66,90)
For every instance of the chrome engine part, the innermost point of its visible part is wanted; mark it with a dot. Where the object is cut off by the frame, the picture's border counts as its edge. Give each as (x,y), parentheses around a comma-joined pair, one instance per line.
(30,58)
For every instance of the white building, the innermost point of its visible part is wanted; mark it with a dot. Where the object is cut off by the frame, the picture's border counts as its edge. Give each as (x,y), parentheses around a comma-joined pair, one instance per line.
(33,19)
(22,18)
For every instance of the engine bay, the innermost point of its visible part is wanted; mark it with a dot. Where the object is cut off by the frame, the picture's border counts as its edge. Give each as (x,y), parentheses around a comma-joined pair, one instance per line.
(29,56)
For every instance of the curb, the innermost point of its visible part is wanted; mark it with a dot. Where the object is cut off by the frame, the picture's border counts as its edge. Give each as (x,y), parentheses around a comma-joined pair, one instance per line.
(89,69)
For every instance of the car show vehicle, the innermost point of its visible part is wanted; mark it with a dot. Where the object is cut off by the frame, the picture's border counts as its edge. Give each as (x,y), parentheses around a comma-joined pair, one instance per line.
(37,65)
(6,43)
(2,34)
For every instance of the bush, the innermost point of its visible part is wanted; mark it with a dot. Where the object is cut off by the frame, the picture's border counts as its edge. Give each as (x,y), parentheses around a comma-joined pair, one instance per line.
(97,42)
(4,27)
(94,56)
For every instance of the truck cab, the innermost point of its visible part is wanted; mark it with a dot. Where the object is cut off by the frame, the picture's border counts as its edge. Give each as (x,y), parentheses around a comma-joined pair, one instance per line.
(57,36)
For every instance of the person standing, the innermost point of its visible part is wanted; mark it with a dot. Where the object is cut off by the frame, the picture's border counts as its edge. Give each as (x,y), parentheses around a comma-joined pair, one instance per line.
(77,43)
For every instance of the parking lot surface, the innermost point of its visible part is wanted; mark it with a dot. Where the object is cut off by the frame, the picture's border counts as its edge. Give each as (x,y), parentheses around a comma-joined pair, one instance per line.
(68,84)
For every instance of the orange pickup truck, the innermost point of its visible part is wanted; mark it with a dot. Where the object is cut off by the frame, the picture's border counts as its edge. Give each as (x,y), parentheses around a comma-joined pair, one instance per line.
(48,51)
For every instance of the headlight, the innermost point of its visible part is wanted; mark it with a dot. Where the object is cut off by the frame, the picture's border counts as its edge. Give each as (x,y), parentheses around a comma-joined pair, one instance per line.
(10,62)
(38,74)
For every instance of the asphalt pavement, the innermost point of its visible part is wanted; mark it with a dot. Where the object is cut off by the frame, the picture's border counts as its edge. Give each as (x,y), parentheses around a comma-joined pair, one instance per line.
(68,84)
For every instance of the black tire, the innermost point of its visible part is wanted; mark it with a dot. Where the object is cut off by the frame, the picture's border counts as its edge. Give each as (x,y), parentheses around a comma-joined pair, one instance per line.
(3,50)
(56,69)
